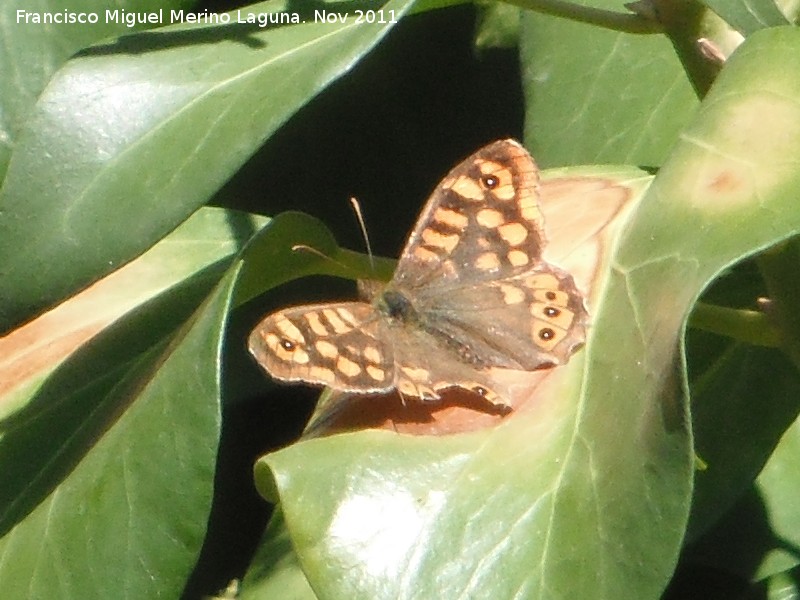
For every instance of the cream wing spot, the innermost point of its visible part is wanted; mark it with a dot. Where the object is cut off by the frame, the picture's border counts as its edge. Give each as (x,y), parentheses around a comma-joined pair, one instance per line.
(488,167)
(504,184)
(425,255)
(300,357)
(513,233)
(529,209)
(490,218)
(542,281)
(545,335)
(376,373)
(326,349)
(451,218)
(316,324)
(289,330)
(488,261)
(556,297)
(468,188)
(277,345)
(446,242)
(560,317)
(347,367)
(504,192)
(348,317)
(339,326)
(373,355)
(511,294)
(518,258)
(407,388)
(322,374)
(484,391)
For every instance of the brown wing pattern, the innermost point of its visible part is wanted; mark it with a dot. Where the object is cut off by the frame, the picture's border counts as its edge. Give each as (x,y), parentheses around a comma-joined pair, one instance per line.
(530,321)
(482,222)
(330,344)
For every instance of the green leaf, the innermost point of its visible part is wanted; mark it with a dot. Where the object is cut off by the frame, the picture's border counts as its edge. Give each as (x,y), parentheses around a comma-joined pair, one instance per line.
(757,539)
(295,245)
(727,191)
(742,405)
(779,485)
(498,26)
(600,96)
(33,52)
(783,585)
(108,467)
(748,16)
(172,273)
(275,570)
(133,136)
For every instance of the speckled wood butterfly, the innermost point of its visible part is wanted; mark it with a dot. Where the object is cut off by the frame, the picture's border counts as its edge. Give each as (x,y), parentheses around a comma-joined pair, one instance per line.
(470,293)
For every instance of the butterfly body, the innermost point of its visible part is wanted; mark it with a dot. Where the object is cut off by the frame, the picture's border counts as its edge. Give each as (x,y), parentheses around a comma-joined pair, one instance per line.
(470,293)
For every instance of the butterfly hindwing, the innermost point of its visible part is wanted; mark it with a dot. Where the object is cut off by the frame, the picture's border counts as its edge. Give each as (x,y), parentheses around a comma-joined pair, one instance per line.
(330,344)
(529,321)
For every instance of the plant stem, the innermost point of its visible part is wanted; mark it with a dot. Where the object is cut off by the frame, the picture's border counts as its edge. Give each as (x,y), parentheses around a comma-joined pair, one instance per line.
(750,326)
(778,267)
(616,21)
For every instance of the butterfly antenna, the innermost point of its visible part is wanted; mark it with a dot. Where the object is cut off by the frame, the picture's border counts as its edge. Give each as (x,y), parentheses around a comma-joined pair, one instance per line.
(360,216)
(322,255)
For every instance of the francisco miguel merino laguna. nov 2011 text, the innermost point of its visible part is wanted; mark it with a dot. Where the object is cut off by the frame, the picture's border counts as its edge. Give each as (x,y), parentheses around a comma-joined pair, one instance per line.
(162,17)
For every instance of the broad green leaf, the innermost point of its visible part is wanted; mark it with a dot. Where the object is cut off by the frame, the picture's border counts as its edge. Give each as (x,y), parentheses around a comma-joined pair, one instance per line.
(728,190)
(133,136)
(748,16)
(108,468)
(275,572)
(189,258)
(742,404)
(779,485)
(33,52)
(498,26)
(599,96)
(757,539)
(783,586)
(293,245)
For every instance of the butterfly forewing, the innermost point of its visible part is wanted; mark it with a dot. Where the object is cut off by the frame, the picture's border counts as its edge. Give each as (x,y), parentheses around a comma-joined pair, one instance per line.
(330,344)
(482,222)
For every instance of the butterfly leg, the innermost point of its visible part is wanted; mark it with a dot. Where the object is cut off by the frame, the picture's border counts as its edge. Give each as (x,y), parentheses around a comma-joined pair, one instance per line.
(424,392)
(414,381)
(403,401)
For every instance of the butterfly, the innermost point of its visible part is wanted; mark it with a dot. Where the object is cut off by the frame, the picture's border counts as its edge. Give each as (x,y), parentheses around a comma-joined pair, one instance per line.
(470,294)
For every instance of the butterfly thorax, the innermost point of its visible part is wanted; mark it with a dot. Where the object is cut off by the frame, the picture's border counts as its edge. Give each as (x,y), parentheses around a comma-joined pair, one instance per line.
(397,307)
(401,312)
(389,301)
